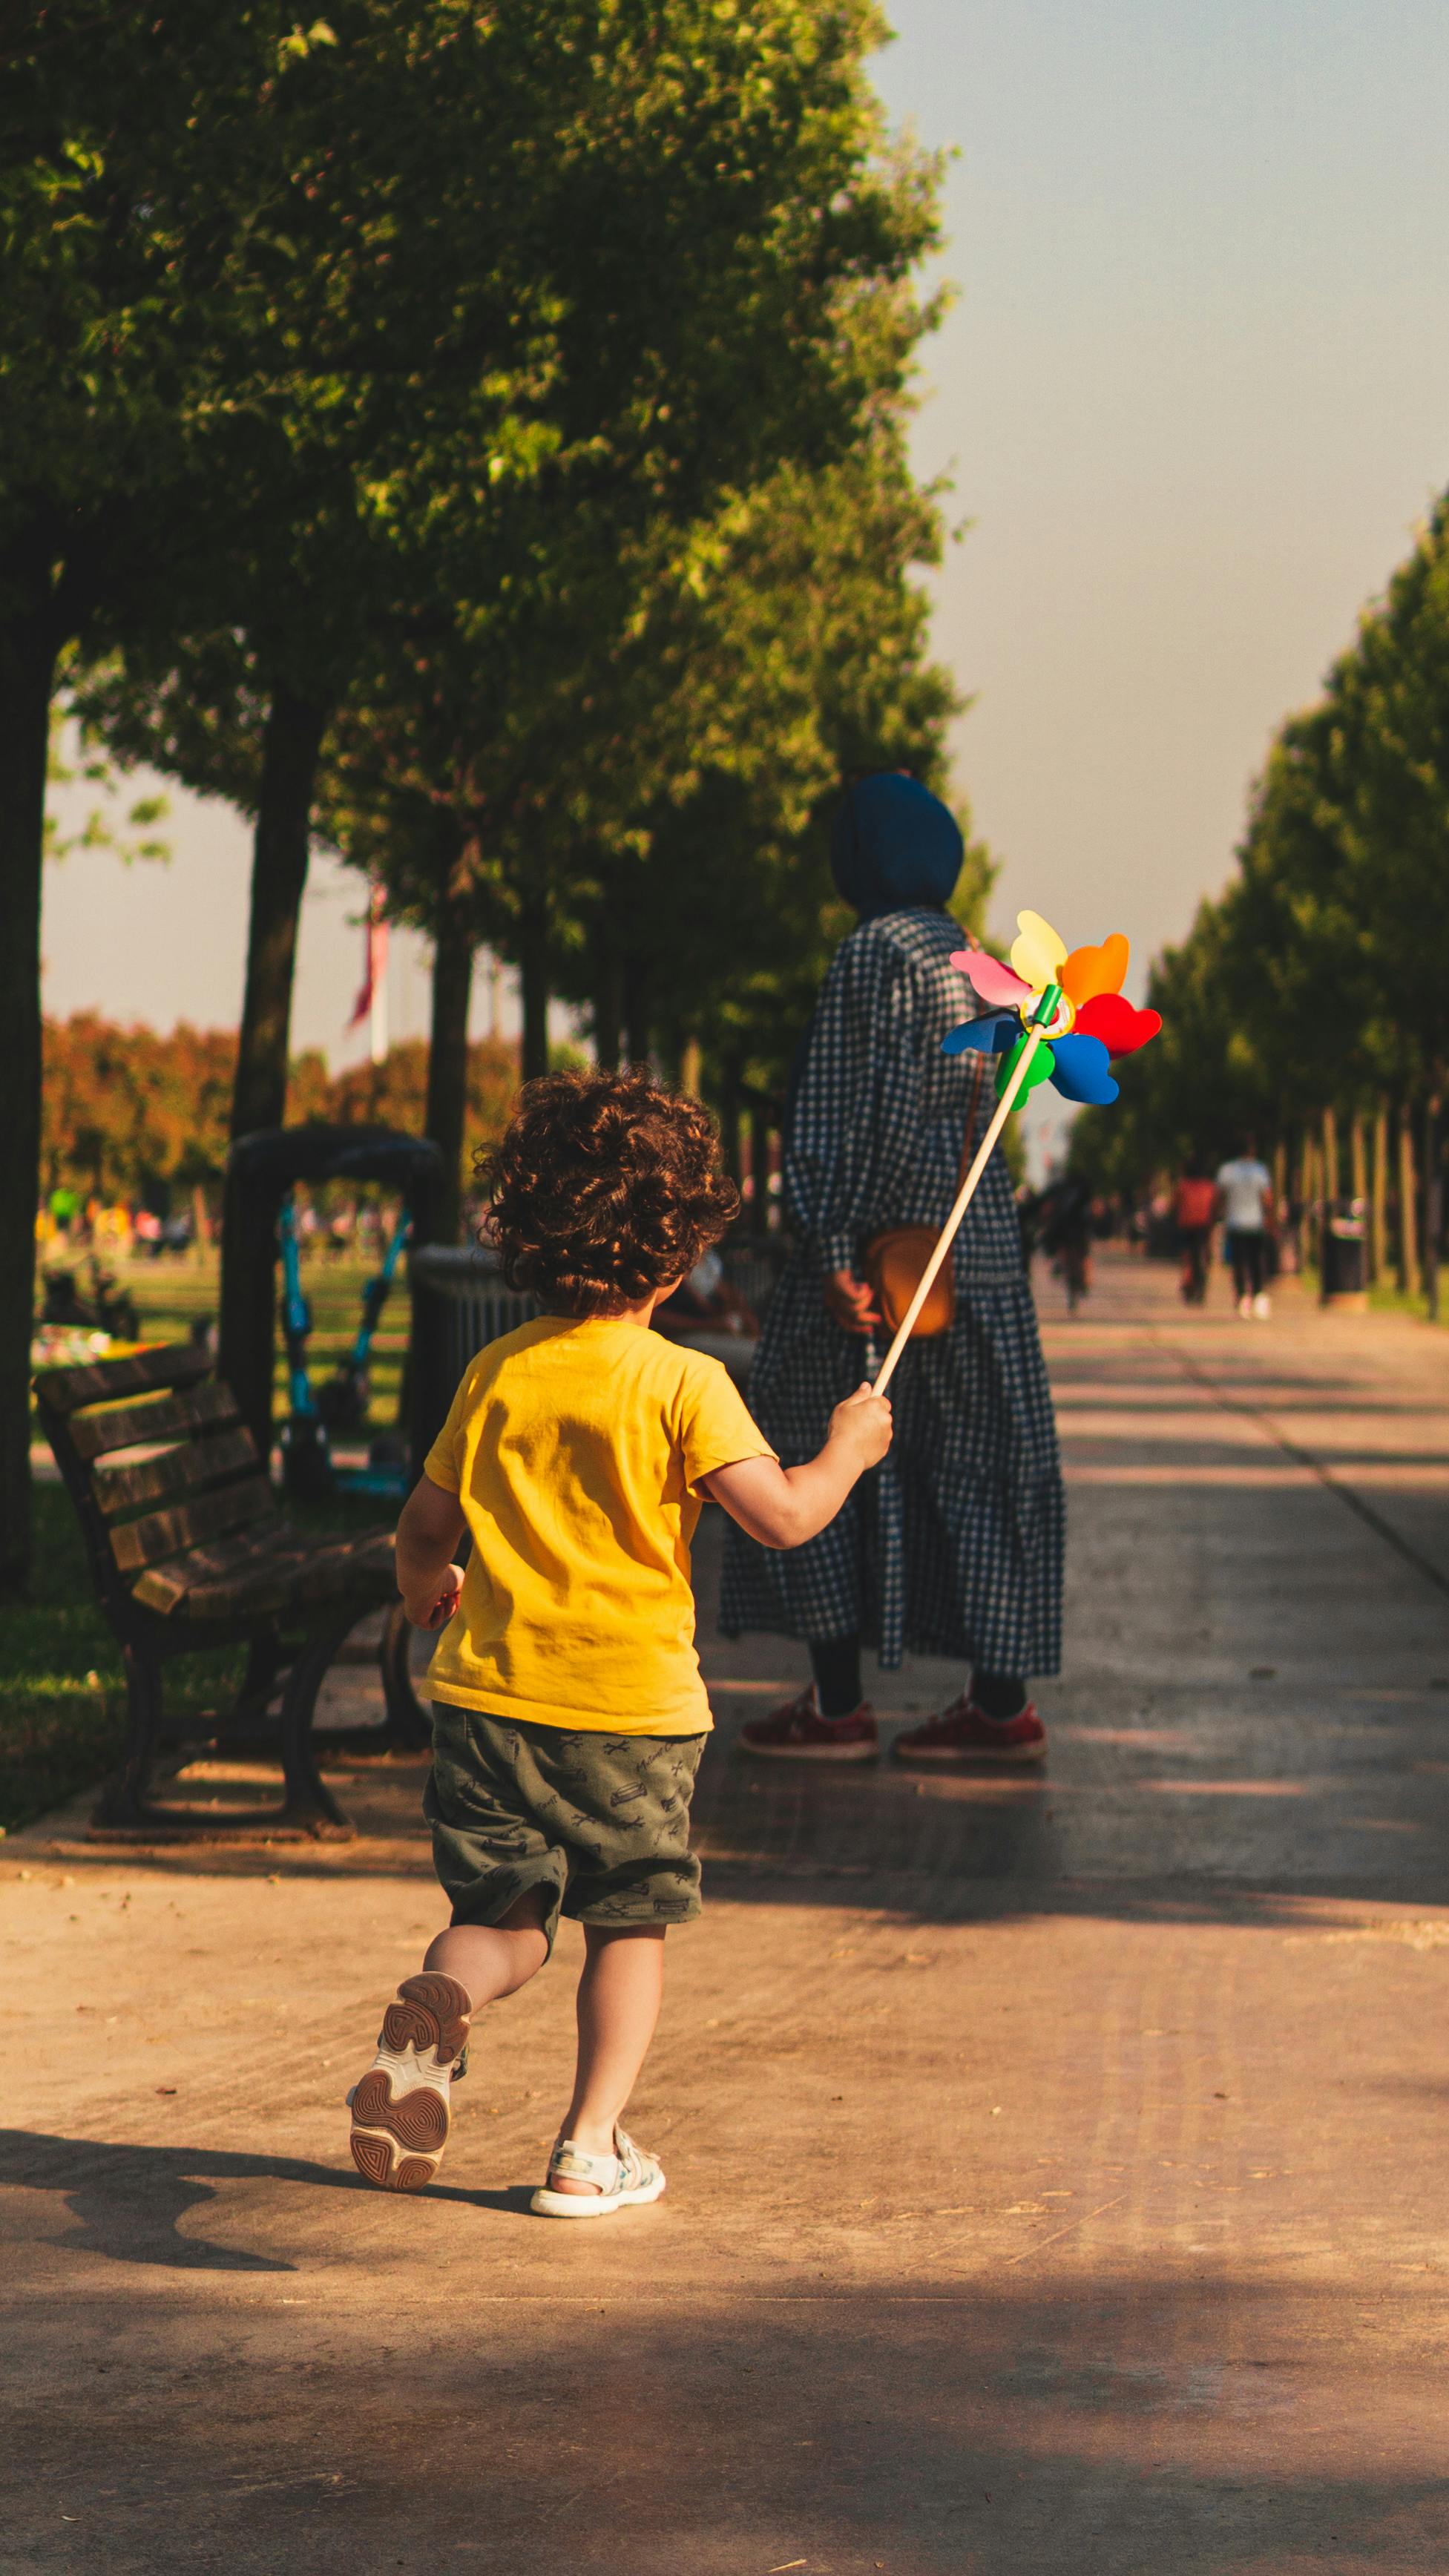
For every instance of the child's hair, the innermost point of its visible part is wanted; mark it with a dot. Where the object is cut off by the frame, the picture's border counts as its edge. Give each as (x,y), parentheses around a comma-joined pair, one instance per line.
(603,1187)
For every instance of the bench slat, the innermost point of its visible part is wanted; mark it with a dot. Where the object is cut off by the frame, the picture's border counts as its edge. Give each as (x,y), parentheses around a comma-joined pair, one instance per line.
(124,1426)
(177,1471)
(187,1525)
(165,1364)
(270,1571)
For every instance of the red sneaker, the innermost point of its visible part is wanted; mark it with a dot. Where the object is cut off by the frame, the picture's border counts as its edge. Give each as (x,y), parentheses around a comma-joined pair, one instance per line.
(962,1734)
(798,1733)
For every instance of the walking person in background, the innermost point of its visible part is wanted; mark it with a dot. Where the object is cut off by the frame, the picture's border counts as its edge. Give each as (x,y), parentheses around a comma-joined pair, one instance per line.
(1245,1190)
(956,1549)
(1194,1212)
(1066,1236)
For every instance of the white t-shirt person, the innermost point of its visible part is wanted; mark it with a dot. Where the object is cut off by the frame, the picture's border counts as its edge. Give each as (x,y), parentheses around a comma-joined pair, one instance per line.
(1244,1184)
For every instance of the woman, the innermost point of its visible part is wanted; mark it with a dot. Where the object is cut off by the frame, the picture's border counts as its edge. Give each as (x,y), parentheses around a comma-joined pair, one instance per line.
(954,1547)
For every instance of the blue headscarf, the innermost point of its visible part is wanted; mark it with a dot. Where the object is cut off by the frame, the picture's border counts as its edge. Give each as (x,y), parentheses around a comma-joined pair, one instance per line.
(893,845)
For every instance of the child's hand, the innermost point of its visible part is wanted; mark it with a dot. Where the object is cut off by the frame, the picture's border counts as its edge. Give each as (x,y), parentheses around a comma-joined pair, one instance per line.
(435,1607)
(864,1419)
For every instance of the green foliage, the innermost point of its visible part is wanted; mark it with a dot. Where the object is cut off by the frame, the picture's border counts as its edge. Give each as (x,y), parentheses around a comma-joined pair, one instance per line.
(102,828)
(1317,979)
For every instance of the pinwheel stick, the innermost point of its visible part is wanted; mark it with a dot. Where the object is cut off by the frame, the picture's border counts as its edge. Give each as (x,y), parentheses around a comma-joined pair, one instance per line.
(967,1192)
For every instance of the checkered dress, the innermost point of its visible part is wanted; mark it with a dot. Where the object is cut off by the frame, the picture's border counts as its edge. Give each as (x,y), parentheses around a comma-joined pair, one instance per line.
(954,1545)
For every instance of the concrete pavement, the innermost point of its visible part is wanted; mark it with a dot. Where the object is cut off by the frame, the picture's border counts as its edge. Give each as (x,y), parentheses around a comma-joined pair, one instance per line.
(1057,2170)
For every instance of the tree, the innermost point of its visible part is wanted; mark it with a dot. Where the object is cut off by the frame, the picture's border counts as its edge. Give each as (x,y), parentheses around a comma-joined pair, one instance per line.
(714,681)
(128,170)
(580,264)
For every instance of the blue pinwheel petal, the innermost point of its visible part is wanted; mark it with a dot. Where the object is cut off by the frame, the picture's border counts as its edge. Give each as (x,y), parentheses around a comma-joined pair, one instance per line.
(992,1034)
(1081,1070)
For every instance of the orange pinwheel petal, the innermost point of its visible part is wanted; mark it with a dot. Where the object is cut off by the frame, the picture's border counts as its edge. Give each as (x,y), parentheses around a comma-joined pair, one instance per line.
(1089,971)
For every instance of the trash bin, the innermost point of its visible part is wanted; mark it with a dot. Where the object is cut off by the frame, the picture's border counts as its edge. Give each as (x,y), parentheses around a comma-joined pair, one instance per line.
(460,1301)
(1345,1256)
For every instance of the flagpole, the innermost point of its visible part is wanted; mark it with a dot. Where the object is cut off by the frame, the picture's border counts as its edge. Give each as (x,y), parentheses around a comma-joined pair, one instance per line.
(952,1226)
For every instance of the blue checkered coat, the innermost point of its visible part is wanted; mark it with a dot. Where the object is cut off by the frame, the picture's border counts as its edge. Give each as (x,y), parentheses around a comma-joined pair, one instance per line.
(954,1545)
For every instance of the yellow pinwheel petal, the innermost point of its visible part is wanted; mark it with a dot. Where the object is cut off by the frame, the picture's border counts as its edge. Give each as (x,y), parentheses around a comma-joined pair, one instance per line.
(1090,971)
(1038,954)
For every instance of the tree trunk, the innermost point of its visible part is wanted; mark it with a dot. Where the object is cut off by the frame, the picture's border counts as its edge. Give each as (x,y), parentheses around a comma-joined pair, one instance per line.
(292,747)
(290,753)
(636,1010)
(1330,1161)
(729,1121)
(533,976)
(445,1117)
(1358,1157)
(27,676)
(691,1067)
(1433,1205)
(1379,1196)
(608,1002)
(1408,1207)
(759,1165)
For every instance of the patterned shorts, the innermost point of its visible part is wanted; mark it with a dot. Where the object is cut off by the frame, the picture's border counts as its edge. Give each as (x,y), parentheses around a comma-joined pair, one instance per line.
(599,1823)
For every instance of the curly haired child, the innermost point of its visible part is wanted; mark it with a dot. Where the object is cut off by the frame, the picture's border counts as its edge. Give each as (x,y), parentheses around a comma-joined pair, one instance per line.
(569,1710)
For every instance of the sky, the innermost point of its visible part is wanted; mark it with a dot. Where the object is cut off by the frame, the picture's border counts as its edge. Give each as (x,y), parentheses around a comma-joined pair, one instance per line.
(1193,399)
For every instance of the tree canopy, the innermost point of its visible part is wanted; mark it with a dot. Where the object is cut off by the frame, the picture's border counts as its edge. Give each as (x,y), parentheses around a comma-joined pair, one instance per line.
(1314,984)
(479,435)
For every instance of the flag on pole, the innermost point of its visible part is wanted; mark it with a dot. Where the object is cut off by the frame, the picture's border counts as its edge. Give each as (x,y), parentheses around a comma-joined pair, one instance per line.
(371,1002)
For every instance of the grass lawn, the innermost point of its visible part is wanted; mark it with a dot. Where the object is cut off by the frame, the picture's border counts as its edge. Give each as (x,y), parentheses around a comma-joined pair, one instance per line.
(171,1293)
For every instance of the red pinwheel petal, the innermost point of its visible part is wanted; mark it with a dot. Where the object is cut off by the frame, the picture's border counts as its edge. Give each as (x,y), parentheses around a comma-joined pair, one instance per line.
(1121,1029)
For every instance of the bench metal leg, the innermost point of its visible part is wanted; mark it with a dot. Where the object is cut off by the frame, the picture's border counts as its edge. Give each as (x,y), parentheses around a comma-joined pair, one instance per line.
(409,1724)
(127,1814)
(309,1801)
(123,1800)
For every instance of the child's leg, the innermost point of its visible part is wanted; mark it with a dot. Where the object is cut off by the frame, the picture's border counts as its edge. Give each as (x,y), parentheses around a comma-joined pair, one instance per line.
(494,1959)
(618,2005)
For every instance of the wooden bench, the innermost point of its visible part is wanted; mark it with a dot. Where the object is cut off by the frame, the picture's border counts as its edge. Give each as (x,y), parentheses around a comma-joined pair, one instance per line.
(189,1550)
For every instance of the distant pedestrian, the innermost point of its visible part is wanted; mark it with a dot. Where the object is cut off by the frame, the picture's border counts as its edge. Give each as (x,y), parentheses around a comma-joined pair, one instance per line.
(1066,1235)
(569,1712)
(955,1548)
(1195,1210)
(1245,1188)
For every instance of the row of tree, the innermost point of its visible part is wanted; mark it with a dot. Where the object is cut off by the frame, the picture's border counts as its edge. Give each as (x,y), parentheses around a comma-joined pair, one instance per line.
(477,438)
(1309,1005)
(132,1115)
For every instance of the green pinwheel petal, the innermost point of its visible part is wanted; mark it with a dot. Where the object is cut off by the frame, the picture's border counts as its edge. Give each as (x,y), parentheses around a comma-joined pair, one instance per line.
(1039,1070)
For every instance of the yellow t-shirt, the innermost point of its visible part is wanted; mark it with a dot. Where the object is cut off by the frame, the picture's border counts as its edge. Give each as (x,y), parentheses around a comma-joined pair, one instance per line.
(575,1449)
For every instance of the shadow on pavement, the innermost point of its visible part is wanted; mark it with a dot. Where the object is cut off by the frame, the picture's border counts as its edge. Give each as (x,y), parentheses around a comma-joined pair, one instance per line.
(1198,2426)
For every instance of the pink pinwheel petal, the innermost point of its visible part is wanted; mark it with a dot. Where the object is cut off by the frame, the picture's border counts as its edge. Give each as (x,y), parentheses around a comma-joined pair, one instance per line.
(993,981)
(1121,1029)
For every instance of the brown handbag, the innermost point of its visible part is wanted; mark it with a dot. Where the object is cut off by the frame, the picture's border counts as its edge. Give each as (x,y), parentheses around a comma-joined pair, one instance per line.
(894,1261)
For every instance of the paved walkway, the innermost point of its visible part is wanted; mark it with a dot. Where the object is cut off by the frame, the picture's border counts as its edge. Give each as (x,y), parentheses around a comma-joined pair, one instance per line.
(1058,2171)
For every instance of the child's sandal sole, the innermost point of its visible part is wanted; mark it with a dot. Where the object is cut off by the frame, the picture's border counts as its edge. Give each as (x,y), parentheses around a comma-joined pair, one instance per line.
(399,2133)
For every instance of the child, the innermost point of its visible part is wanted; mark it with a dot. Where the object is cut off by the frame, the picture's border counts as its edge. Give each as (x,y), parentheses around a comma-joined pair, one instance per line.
(569,1711)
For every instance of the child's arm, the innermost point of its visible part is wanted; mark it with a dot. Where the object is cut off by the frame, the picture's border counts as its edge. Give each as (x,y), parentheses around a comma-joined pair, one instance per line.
(783,1506)
(429,1528)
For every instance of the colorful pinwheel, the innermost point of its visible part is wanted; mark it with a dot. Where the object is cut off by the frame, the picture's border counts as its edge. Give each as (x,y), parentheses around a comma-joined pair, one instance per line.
(1075,1000)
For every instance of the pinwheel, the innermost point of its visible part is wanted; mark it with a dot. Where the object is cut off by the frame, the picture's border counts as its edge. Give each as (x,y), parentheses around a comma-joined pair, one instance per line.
(1051,1018)
(1074,1001)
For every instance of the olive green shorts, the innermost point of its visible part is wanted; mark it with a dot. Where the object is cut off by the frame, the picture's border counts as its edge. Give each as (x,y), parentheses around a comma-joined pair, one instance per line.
(599,1822)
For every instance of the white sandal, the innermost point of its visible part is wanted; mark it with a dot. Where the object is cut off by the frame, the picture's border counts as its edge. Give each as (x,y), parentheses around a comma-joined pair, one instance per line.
(622,2180)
